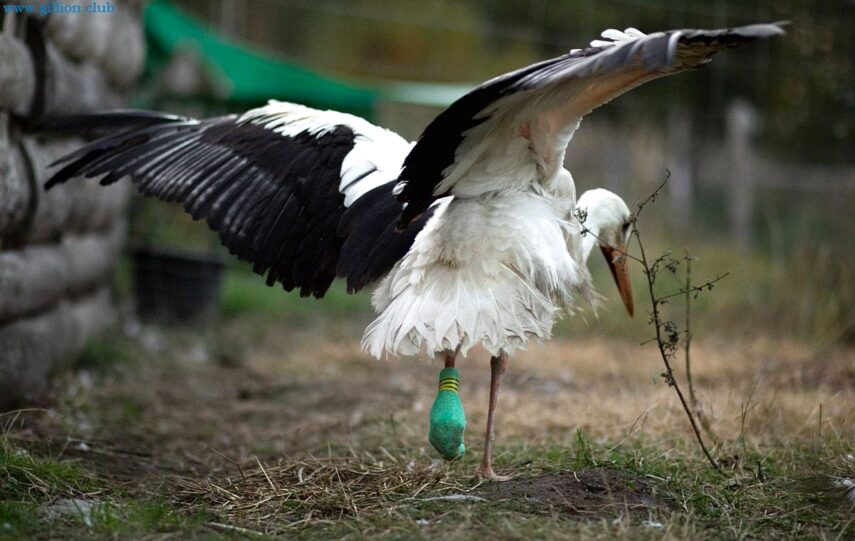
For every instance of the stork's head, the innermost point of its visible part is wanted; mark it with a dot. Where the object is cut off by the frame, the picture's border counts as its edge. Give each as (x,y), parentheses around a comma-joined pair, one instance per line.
(607,218)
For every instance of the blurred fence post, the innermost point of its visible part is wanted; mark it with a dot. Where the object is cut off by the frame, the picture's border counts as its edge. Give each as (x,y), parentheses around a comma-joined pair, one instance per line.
(742,123)
(233,15)
(681,185)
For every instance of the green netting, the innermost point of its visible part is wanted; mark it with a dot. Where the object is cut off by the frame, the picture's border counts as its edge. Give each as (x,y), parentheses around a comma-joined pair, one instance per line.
(245,76)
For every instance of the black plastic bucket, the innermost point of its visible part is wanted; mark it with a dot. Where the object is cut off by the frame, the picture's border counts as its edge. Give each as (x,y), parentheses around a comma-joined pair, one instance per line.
(175,285)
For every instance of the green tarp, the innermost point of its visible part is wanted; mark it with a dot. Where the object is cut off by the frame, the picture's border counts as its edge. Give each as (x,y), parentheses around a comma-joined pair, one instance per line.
(245,76)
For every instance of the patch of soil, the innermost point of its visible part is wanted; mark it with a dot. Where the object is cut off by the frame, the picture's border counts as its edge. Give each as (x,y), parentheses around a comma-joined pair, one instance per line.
(595,492)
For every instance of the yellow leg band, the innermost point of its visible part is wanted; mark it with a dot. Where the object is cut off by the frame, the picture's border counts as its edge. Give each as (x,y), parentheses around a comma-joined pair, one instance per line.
(449,384)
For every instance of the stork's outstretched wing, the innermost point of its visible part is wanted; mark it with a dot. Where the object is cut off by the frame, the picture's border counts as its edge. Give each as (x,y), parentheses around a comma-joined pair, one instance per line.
(514,129)
(304,195)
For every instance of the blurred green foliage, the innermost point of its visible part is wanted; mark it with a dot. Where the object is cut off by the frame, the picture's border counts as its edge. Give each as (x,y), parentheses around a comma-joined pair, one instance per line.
(802,84)
(246,293)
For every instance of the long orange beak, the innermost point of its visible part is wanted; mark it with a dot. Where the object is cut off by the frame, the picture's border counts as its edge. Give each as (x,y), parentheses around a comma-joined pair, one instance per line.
(617,264)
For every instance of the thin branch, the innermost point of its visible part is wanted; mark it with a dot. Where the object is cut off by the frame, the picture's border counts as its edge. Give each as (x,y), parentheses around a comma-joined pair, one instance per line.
(661,343)
(667,345)
(640,206)
(624,253)
(582,216)
(706,286)
(653,196)
(688,292)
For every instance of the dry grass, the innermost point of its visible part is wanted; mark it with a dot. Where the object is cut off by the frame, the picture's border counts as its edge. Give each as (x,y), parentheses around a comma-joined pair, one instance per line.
(306,437)
(607,388)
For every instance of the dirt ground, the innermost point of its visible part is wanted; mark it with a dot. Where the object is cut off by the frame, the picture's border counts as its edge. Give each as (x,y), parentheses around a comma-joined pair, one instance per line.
(271,429)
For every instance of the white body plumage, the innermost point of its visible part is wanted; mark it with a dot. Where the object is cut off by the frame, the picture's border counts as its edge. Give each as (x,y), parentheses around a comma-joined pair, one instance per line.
(495,270)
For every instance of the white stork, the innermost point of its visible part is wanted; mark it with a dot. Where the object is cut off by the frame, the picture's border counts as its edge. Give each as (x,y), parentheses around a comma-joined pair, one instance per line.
(469,233)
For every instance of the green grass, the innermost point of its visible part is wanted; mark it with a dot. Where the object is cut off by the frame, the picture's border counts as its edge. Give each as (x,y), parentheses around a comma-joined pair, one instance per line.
(130,519)
(34,487)
(105,352)
(775,492)
(246,293)
(30,478)
(18,519)
(27,481)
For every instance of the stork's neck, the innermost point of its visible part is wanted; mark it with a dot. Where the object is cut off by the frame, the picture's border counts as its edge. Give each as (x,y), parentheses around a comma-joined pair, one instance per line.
(590,239)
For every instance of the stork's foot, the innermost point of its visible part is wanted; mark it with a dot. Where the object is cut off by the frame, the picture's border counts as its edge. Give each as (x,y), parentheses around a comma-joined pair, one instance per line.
(447,418)
(487,473)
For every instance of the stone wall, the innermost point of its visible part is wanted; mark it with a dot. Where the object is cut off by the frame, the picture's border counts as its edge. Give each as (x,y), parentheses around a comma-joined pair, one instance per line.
(58,249)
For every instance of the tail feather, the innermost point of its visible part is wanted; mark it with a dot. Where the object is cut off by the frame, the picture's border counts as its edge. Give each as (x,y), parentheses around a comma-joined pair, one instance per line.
(454,309)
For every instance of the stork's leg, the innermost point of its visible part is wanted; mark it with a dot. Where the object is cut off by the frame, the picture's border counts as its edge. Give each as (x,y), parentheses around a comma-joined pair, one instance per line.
(448,357)
(498,365)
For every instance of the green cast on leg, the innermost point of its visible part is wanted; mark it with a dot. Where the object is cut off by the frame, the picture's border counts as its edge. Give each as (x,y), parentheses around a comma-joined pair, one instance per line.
(447,419)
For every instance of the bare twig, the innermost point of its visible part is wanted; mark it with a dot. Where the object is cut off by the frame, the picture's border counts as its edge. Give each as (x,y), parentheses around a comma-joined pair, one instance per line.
(746,408)
(234,529)
(233,461)
(582,217)
(667,335)
(269,482)
(706,286)
(688,292)
(653,196)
